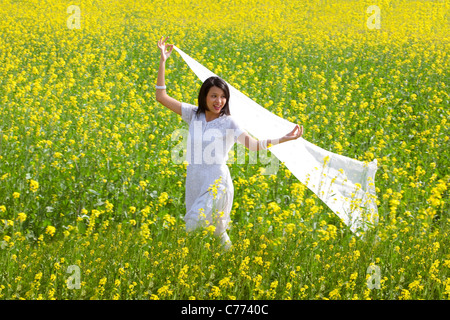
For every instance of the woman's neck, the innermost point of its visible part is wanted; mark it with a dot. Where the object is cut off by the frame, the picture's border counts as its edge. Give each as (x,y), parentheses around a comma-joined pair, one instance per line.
(209,116)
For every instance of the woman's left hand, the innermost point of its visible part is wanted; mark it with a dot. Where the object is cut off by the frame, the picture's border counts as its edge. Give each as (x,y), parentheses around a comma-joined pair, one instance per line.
(296,133)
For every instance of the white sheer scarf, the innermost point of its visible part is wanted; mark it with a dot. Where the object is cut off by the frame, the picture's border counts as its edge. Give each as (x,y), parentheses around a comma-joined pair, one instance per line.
(345,185)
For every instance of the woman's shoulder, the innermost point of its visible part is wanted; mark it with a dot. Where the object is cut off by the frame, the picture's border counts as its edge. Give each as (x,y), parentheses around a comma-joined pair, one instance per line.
(187,111)
(188,106)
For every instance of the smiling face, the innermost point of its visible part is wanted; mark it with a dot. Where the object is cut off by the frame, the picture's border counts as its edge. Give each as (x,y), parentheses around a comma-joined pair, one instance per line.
(215,100)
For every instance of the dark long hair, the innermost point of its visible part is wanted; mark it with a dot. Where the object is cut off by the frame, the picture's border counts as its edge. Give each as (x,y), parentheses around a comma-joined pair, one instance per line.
(208,84)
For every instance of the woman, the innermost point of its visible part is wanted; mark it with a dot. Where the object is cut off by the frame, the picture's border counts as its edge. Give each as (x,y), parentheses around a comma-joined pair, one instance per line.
(212,133)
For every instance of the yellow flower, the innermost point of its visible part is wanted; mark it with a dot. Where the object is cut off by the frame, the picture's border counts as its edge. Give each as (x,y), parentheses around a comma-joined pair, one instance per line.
(95,213)
(290,228)
(415,285)
(50,230)
(109,206)
(163,198)
(334,294)
(169,220)
(38,276)
(405,295)
(226,282)
(274,284)
(210,229)
(164,290)
(34,185)
(215,292)
(21,217)
(102,281)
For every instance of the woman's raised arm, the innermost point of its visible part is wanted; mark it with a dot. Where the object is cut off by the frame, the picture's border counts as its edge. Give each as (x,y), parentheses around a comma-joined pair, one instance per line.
(161,94)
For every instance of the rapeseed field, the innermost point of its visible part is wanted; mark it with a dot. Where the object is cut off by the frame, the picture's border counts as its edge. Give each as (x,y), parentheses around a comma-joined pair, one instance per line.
(92,205)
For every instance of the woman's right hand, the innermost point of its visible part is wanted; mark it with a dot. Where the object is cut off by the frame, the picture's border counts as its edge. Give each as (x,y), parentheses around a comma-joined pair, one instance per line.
(166,49)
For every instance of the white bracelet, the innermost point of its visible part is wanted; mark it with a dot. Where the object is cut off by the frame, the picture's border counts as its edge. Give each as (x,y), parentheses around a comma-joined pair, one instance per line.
(262,144)
(160,87)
